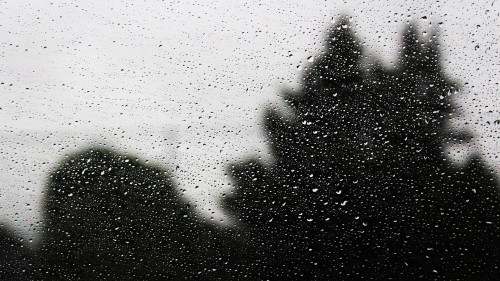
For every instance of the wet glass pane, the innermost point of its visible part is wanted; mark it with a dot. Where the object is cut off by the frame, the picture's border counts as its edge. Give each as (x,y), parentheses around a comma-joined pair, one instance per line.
(258,140)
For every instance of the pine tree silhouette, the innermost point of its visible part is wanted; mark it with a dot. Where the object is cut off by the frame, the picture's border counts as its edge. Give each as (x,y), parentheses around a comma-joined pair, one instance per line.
(112,217)
(360,187)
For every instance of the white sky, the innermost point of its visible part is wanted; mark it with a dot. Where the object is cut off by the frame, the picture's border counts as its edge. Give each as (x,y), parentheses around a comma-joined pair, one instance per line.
(184,82)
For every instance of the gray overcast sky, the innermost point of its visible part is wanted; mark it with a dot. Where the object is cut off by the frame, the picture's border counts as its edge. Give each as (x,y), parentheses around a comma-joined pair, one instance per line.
(184,82)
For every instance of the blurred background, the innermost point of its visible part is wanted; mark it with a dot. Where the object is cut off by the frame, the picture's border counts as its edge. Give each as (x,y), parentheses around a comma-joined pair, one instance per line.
(183,84)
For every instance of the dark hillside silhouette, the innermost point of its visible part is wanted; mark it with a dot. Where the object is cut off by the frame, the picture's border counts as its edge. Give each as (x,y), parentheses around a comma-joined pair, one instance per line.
(360,187)
(111,217)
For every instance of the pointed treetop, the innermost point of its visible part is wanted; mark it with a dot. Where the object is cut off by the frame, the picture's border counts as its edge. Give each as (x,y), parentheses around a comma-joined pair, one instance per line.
(411,48)
(417,54)
(340,61)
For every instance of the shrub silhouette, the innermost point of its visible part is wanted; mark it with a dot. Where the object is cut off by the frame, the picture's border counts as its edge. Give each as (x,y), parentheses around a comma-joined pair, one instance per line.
(112,217)
(360,188)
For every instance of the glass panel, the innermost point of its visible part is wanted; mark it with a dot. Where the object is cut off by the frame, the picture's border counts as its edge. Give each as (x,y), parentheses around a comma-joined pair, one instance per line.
(220,140)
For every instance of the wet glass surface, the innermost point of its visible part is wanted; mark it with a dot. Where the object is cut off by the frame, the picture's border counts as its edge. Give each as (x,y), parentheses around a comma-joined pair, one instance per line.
(218,140)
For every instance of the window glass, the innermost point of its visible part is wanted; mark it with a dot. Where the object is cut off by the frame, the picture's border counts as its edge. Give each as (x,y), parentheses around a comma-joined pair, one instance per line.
(217,140)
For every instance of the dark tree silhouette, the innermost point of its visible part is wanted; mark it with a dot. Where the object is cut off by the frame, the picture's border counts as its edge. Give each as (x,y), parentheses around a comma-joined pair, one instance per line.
(360,187)
(112,217)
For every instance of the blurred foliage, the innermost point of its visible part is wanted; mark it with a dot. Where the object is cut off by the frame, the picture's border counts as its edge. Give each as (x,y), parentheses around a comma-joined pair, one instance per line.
(16,260)
(360,187)
(112,217)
